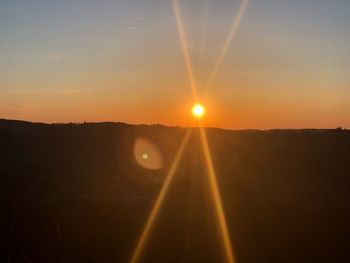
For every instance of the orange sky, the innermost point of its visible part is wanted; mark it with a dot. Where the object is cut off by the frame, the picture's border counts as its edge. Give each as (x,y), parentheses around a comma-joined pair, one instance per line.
(103,61)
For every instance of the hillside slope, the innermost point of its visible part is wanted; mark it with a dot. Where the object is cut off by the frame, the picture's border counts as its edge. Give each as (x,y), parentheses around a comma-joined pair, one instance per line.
(74,193)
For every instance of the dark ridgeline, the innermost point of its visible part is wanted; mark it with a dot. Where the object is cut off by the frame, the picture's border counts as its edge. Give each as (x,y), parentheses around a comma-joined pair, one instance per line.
(73,193)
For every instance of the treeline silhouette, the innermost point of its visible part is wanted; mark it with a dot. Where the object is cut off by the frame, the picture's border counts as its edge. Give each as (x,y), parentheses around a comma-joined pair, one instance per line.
(74,193)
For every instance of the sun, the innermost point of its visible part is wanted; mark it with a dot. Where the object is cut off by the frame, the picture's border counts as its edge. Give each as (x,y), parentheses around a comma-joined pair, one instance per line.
(198,110)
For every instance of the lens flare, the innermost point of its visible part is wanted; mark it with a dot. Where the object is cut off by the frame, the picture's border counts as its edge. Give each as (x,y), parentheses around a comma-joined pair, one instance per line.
(158,204)
(198,110)
(220,213)
(230,36)
(147,154)
(184,47)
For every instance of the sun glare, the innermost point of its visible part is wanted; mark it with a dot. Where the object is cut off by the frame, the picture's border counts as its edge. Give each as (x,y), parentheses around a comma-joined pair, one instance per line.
(198,110)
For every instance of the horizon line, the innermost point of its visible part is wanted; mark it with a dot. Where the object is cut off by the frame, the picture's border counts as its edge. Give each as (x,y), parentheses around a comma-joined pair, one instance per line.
(340,127)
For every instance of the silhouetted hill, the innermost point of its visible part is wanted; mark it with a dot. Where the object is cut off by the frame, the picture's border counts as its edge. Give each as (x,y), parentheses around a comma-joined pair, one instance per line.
(74,193)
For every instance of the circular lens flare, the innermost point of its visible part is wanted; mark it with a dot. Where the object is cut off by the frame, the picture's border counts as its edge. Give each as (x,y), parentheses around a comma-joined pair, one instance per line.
(147,154)
(198,110)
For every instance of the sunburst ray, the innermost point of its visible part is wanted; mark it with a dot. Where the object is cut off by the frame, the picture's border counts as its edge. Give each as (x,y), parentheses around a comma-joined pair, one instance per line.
(230,36)
(229,255)
(159,201)
(185,49)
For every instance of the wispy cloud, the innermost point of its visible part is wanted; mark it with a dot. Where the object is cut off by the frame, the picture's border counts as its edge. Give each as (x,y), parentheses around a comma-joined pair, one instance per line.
(69,91)
(56,58)
(9,109)
(134,27)
(16,110)
(137,24)
(47,91)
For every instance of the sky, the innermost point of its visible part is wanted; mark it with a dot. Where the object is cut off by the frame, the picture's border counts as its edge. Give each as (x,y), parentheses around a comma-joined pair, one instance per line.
(121,60)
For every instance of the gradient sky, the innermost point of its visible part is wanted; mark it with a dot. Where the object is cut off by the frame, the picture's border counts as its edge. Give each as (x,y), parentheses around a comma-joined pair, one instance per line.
(114,60)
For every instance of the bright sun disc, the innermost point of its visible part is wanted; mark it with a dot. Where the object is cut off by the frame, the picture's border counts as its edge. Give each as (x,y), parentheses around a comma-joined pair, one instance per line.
(198,110)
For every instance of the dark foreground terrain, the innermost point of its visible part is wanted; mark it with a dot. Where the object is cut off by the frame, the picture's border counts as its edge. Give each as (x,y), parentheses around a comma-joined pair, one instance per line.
(74,193)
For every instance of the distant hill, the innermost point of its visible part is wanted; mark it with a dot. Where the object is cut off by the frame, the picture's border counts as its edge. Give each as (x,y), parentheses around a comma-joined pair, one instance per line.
(75,193)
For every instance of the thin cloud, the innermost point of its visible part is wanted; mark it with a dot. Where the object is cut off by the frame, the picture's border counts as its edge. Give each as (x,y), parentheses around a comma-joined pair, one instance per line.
(47,91)
(17,110)
(69,91)
(134,27)
(56,58)
(137,24)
